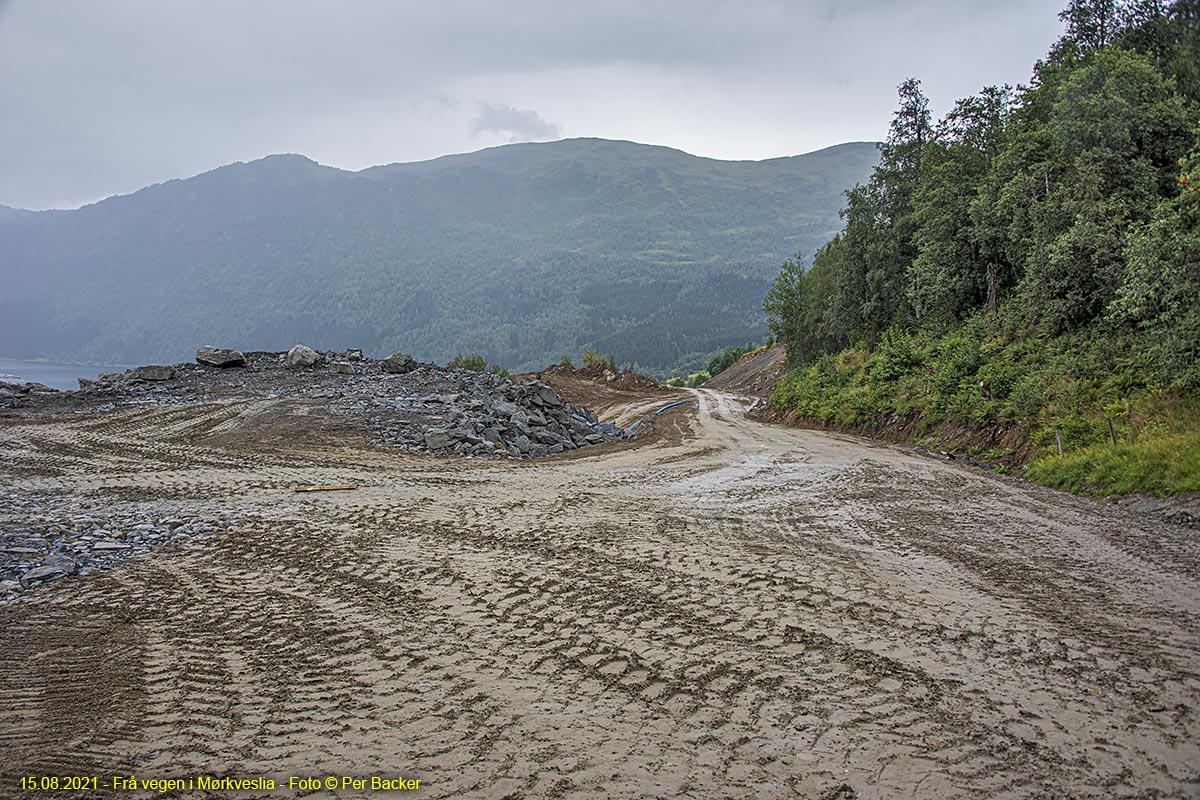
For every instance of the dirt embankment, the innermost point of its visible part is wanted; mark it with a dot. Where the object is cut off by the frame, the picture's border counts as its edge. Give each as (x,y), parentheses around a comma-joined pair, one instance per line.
(621,397)
(754,374)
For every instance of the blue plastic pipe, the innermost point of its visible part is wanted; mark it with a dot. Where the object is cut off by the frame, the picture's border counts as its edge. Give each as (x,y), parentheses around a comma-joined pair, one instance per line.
(659,411)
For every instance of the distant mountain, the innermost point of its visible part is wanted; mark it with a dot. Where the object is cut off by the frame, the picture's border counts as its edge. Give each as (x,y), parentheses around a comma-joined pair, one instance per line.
(521,253)
(13,213)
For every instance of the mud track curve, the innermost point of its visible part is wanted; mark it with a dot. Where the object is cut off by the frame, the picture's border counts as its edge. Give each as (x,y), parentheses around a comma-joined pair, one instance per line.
(732,610)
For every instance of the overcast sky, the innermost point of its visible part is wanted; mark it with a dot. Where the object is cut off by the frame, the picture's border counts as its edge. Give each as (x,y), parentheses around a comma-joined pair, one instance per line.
(102,97)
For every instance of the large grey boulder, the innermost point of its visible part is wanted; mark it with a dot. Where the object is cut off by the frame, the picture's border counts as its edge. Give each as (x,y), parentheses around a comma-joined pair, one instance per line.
(445,438)
(546,396)
(151,373)
(438,439)
(50,572)
(398,363)
(301,356)
(220,357)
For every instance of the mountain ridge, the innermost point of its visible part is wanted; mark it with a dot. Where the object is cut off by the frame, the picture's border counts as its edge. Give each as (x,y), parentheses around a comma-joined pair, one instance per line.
(520,252)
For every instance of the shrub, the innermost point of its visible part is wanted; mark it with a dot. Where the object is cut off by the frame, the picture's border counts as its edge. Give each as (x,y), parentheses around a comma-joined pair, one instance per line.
(476,363)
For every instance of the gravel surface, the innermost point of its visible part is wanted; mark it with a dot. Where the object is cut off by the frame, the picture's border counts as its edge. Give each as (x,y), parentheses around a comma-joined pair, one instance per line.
(724,609)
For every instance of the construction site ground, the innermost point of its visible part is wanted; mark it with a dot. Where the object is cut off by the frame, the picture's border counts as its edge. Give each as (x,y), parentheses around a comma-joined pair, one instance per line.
(721,608)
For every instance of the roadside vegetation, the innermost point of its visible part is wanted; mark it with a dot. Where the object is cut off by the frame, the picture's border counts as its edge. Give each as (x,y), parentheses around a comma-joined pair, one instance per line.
(1025,273)
(476,363)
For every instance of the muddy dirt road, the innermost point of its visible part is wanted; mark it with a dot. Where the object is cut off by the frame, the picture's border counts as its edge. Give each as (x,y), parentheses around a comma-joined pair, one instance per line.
(730,610)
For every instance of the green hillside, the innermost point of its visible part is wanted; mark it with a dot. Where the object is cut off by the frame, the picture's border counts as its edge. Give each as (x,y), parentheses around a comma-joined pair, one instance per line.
(1021,279)
(520,253)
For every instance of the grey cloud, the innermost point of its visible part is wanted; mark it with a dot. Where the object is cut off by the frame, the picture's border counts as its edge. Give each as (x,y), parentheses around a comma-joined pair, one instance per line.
(522,124)
(446,101)
(106,96)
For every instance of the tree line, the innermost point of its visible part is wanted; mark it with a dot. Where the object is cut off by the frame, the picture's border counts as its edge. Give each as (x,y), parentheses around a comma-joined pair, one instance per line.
(1070,203)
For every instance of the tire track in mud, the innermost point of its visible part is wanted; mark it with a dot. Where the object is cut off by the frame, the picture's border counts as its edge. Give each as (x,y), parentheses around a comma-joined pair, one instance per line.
(746,611)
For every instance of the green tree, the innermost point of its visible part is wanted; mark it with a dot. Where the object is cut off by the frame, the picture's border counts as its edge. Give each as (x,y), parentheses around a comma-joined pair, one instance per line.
(1161,291)
(1168,33)
(1088,153)
(886,245)
(1092,24)
(786,306)
(955,271)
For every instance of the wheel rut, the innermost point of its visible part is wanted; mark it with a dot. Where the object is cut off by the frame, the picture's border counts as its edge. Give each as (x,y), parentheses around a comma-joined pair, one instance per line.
(727,610)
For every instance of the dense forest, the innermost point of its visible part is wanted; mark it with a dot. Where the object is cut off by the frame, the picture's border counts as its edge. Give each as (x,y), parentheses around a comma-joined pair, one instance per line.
(518,253)
(1028,266)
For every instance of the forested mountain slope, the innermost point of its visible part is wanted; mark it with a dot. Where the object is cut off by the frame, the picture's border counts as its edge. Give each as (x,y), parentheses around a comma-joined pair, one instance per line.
(520,253)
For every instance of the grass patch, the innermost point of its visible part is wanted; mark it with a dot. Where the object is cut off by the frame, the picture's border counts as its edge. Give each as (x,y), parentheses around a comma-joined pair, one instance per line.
(1160,456)
(1035,388)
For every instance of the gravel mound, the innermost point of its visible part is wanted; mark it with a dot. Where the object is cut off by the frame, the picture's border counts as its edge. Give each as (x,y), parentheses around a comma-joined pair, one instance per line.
(420,407)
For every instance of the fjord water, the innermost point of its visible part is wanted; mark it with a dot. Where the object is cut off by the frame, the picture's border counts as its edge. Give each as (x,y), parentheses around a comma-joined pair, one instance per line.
(54,375)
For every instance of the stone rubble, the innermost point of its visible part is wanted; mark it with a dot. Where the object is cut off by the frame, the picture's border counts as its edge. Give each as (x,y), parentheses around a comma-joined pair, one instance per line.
(42,542)
(479,414)
(14,395)
(402,403)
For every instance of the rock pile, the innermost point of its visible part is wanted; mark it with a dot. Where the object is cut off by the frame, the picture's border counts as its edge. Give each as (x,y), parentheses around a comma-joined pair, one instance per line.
(402,402)
(51,546)
(462,412)
(517,419)
(12,394)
